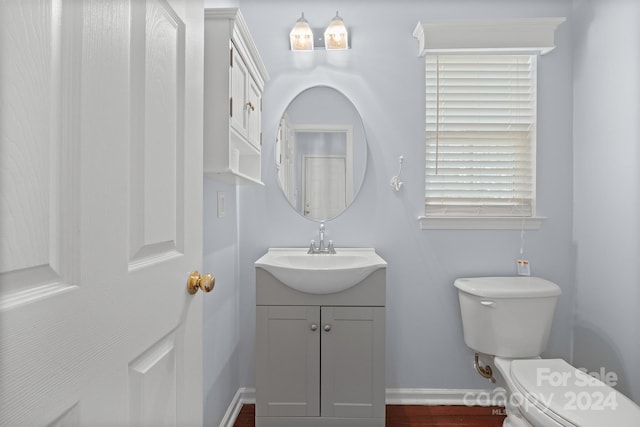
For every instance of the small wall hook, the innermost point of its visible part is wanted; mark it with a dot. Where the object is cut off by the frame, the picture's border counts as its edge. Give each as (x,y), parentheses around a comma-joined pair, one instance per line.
(396,182)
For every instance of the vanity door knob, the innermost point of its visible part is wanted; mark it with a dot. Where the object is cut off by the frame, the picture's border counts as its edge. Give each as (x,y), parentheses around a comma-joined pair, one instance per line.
(327,328)
(314,327)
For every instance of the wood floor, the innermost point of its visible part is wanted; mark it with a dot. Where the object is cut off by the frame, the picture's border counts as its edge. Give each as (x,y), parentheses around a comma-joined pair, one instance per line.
(417,416)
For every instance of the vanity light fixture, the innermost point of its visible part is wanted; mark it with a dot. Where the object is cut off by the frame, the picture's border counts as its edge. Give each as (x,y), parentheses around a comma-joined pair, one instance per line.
(301,36)
(336,36)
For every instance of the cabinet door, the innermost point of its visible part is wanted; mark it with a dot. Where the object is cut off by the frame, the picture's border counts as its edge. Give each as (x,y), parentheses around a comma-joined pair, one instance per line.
(353,348)
(239,76)
(253,113)
(287,361)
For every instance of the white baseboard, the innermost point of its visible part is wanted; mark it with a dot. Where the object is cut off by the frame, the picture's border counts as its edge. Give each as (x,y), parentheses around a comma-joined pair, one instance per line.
(436,396)
(242,396)
(393,396)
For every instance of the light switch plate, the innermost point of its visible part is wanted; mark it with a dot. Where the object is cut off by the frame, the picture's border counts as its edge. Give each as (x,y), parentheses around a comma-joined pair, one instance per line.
(220,204)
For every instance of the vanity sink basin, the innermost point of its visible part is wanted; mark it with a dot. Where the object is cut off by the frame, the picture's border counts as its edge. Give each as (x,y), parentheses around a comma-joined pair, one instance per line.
(321,273)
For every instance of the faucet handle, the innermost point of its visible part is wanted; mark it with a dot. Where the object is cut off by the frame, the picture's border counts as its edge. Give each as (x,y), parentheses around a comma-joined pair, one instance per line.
(312,247)
(331,249)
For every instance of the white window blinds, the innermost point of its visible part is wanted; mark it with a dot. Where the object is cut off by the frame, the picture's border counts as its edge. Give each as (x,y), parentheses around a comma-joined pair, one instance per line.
(480,135)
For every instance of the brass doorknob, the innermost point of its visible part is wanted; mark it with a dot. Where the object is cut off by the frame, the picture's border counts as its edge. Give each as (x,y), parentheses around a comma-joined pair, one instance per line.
(206,282)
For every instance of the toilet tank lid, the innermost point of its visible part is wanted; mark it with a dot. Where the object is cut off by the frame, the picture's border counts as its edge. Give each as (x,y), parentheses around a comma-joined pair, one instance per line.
(508,287)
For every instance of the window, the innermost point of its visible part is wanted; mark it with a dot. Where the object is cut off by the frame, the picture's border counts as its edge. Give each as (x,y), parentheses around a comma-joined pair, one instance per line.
(480,135)
(481,120)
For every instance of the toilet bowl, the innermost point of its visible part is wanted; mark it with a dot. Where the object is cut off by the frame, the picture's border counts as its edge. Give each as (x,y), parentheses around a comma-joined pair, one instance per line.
(510,319)
(551,392)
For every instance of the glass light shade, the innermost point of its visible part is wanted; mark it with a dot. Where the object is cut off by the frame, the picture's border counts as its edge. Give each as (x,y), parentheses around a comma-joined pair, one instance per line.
(336,36)
(301,36)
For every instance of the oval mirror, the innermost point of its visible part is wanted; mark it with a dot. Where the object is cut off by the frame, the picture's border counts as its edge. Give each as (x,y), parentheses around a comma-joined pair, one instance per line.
(321,153)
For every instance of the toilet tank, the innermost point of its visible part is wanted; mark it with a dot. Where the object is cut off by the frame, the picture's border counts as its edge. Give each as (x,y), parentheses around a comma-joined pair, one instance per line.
(507,316)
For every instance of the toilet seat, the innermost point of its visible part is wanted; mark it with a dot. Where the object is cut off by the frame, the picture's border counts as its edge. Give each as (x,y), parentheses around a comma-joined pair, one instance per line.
(569,396)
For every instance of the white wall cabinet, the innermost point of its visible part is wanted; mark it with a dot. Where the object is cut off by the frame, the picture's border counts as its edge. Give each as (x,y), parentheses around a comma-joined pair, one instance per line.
(320,358)
(233,84)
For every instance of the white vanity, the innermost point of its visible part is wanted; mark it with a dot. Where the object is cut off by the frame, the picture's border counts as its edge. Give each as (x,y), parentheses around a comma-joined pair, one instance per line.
(320,357)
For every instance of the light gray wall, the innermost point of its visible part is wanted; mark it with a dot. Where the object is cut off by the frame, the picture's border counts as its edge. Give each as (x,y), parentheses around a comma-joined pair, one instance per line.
(221,307)
(221,322)
(384,77)
(607,188)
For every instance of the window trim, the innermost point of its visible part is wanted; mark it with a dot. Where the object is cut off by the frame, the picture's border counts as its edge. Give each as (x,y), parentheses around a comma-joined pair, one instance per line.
(532,35)
(480,222)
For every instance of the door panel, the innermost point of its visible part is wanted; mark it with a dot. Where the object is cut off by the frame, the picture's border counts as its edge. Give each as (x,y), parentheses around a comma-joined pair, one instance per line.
(239,77)
(101,154)
(254,112)
(36,211)
(38,195)
(324,186)
(157,126)
(352,369)
(288,361)
(152,385)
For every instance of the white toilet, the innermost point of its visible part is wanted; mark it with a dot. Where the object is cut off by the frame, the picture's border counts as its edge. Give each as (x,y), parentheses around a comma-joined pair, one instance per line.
(510,318)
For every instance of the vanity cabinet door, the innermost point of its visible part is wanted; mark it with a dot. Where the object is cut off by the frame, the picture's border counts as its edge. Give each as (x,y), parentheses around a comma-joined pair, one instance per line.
(287,361)
(353,348)
(245,100)
(239,77)
(254,112)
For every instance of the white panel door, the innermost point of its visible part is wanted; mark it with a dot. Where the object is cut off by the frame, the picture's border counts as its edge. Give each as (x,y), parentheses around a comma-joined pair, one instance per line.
(324,186)
(100,212)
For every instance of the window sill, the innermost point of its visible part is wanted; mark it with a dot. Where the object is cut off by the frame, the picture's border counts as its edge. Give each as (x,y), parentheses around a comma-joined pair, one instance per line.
(479,223)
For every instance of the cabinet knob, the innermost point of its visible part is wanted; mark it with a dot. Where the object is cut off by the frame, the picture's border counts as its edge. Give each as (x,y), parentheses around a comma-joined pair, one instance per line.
(314,327)
(250,106)
(327,327)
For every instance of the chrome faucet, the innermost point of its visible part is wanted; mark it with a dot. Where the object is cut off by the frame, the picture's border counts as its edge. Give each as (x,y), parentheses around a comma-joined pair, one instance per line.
(321,249)
(321,233)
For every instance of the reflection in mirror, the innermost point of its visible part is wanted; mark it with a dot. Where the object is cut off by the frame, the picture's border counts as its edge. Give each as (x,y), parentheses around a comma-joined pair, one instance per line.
(321,153)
